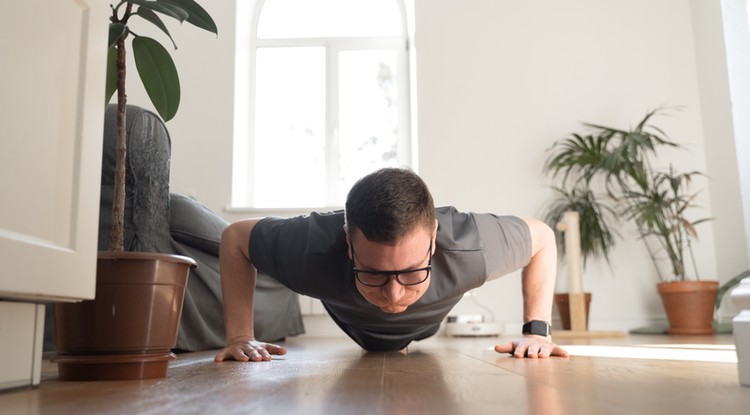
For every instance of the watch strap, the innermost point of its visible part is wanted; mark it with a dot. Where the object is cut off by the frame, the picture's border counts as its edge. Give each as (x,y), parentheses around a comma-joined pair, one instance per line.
(537,327)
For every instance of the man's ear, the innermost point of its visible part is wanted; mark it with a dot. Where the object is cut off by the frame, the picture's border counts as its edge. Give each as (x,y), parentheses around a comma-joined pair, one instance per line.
(348,243)
(434,235)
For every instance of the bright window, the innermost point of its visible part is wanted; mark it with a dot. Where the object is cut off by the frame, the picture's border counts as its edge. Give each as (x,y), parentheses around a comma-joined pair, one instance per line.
(322,100)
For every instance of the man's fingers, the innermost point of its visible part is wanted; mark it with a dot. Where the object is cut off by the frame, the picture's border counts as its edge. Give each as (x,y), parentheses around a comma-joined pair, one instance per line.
(516,349)
(250,351)
(520,350)
(531,349)
(505,348)
(220,356)
(226,354)
(546,351)
(275,349)
(559,351)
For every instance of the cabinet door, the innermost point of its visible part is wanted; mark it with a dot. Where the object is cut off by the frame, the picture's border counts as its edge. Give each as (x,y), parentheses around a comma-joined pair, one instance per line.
(52,70)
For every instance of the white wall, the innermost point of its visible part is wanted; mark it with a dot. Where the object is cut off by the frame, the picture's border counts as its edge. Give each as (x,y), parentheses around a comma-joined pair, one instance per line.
(499,81)
(202,130)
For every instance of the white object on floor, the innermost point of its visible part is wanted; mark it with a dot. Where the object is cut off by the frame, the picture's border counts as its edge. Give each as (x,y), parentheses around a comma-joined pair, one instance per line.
(466,318)
(741,329)
(474,329)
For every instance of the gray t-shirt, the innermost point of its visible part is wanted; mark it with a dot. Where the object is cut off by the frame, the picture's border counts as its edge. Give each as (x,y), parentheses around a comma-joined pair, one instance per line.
(309,255)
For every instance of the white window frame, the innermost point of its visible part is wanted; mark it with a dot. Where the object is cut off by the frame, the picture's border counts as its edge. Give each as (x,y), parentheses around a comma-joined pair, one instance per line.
(244,140)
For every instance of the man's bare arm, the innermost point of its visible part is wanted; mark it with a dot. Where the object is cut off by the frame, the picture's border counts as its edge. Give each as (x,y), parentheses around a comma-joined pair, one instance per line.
(238,277)
(538,286)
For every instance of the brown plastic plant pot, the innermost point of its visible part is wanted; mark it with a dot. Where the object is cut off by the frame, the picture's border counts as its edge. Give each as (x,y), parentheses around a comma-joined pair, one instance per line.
(113,367)
(136,310)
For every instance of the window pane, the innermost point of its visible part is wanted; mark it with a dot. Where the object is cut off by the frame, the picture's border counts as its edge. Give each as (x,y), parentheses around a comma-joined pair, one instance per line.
(368,114)
(329,18)
(289,153)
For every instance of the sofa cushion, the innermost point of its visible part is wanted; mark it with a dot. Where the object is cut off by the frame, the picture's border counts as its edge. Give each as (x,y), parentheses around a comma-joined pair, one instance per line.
(194,224)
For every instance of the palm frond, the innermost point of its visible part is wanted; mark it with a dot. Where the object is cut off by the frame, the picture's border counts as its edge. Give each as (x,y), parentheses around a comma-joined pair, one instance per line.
(621,161)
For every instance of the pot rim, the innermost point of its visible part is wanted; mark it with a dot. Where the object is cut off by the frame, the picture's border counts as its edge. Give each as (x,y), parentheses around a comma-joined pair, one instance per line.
(687,286)
(148,256)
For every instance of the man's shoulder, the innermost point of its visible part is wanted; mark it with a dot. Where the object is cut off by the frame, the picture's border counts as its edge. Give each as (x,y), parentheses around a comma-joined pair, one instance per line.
(325,220)
(465,230)
(451,217)
(317,232)
(456,230)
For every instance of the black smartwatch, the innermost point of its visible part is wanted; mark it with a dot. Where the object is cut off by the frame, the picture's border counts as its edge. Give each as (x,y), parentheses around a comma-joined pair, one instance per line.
(538,327)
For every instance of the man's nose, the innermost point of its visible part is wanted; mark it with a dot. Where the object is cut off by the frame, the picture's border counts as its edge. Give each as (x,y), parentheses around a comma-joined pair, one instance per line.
(393,290)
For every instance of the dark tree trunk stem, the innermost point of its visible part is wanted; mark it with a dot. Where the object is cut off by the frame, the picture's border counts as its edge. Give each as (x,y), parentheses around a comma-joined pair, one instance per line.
(117,233)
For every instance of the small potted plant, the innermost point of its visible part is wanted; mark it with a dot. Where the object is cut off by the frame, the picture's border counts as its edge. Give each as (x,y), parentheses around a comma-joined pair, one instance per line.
(573,192)
(658,206)
(127,331)
(620,164)
(596,228)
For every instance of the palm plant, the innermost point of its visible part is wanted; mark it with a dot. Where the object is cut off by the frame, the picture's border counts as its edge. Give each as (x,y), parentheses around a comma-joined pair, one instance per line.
(620,163)
(659,210)
(596,219)
(156,70)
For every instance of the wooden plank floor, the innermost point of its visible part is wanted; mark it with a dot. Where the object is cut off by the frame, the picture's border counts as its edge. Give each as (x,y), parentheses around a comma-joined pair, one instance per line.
(436,376)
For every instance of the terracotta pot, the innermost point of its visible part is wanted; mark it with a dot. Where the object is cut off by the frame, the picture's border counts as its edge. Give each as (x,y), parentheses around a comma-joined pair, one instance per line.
(689,306)
(563,309)
(136,313)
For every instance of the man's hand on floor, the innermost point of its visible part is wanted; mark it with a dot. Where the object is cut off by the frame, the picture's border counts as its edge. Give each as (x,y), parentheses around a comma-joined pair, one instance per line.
(532,346)
(249,350)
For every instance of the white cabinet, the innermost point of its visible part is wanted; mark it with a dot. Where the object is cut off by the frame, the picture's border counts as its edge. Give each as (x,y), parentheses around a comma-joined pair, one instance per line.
(52,70)
(21,332)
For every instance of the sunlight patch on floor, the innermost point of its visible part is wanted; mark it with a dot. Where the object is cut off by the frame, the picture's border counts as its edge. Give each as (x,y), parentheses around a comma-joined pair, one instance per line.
(693,346)
(695,353)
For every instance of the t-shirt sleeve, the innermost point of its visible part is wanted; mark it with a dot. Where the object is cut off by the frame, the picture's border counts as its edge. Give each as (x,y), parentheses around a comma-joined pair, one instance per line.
(273,245)
(506,241)
(298,251)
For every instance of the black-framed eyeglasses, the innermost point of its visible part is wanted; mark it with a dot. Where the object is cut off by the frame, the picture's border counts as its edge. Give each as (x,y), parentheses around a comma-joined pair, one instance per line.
(373,278)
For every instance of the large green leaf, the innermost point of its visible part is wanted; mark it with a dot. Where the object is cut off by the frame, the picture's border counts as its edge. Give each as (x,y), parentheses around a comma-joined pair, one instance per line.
(158,74)
(115,31)
(152,17)
(198,15)
(111,85)
(164,8)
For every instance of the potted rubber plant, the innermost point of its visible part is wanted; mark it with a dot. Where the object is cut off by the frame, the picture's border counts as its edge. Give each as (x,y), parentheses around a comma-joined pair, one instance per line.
(619,164)
(130,327)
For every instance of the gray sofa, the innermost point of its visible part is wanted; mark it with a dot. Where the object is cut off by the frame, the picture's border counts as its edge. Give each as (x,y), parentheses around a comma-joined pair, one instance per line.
(159,221)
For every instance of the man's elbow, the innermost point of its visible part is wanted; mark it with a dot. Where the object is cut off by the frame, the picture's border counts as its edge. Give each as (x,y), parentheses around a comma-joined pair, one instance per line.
(235,238)
(542,235)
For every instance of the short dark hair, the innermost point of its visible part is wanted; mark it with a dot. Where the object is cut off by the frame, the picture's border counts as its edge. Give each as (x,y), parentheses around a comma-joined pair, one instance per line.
(388,204)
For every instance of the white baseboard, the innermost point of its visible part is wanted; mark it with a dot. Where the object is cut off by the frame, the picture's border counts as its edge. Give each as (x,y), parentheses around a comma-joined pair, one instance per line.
(321,325)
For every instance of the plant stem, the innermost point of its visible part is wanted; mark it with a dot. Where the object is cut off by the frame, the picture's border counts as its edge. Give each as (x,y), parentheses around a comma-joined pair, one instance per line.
(692,257)
(117,232)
